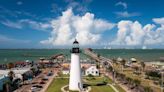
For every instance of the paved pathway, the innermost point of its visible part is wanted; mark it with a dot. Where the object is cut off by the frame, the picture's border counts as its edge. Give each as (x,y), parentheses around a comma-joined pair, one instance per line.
(121,85)
(62,89)
(113,87)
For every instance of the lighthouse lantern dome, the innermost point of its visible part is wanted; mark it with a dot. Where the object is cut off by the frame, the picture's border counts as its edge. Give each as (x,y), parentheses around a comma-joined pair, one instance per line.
(75,47)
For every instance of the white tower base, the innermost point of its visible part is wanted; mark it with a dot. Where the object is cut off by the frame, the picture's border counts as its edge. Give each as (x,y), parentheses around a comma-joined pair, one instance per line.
(75,82)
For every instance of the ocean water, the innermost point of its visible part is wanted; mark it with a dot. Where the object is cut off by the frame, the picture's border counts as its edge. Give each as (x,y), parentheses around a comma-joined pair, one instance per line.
(13,55)
(147,55)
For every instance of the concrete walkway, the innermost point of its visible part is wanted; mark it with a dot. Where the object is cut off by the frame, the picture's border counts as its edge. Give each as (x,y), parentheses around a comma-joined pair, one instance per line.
(121,85)
(113,87)
(62,89)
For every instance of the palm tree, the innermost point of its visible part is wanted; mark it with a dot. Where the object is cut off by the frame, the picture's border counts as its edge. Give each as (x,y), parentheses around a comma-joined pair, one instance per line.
(137,83)
(7,85)
(123,62)
(129,80)
(11,75)
(147,89)
(143,65)
(32,63)
(8,81)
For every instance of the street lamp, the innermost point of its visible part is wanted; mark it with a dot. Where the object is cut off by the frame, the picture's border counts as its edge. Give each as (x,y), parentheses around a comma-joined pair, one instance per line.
(113,76)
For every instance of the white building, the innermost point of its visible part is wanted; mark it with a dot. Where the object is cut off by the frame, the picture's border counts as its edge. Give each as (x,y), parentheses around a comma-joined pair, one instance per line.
(18,75)
(65,71)
(92,70)
(17,71)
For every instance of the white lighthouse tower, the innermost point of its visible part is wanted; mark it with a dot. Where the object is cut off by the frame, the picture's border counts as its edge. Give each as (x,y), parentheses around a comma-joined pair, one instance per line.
(75,81)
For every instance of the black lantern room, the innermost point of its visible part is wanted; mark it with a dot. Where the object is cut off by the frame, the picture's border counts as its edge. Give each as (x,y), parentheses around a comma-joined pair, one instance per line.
(75,47)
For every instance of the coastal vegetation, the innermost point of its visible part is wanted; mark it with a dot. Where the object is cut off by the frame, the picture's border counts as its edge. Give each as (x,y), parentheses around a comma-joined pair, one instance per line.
(133,73)
(134,78)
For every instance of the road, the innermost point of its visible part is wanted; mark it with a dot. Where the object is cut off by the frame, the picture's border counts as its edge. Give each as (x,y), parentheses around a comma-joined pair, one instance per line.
(36,80)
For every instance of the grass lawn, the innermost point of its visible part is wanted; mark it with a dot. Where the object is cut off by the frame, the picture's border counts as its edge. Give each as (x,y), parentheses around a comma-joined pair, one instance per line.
(57,84)
(60,82)
(102,89)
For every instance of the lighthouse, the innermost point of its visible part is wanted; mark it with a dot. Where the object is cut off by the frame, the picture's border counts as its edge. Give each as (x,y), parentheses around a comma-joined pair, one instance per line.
(75,81)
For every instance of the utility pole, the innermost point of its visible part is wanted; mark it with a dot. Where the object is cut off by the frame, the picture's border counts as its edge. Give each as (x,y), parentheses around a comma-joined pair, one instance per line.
(162,81)
(113,76)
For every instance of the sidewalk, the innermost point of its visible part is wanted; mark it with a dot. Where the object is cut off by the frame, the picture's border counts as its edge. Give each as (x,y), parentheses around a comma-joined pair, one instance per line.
(48,83)
(121,85)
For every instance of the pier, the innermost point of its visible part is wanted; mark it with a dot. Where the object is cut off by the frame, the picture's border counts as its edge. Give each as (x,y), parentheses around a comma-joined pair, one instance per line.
(97,57)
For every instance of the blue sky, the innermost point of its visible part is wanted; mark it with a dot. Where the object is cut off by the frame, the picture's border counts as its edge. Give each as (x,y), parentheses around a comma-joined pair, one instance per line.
(95,23)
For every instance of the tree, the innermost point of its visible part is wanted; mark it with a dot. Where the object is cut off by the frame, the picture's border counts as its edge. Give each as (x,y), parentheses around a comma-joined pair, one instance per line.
(98,65)
(10,65)
(123,62)
(129,80)
(153,74)
(7,84)
(136,68)
(98,55)
(137,83)
(143,65)
(105,79)
(91,77)
(11,75)
(32,63)
(9,81)
(147,89)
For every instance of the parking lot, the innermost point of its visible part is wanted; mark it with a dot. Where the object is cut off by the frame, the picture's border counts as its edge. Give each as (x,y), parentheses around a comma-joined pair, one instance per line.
(40,82)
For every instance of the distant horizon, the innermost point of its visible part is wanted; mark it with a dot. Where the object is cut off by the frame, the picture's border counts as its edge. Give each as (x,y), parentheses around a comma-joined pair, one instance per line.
(86,48)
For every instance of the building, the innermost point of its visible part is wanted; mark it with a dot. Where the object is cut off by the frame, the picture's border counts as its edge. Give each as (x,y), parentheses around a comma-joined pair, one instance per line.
(65,71)
(4,75)
(3,78)
(18,72)
(92,70)
(75,80)
(84,68)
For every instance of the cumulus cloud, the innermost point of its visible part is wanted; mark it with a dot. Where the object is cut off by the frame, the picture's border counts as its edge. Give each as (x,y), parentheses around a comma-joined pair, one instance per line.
(134,34)
(159,20)
(87,29)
